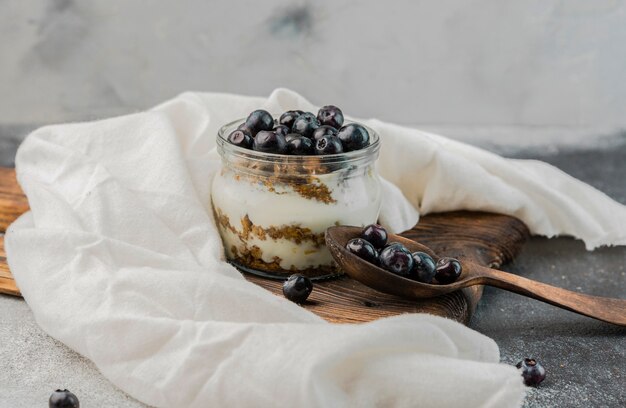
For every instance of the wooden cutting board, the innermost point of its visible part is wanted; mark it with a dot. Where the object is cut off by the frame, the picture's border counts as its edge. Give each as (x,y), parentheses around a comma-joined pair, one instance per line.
(485,238)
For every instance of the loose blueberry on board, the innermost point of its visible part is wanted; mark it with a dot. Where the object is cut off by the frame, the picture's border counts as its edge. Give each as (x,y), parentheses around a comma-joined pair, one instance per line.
(305,124)
(448,270)
(299,145)
(353,137)
(532,372)
(396,259)
(328,145)
(282,130)
(330,115)
(423,267)
(241,138)
(297,288)
(324,130)
(63,399)
(363,249)
(289,117)
(269,142)
(375,235)
(259,120)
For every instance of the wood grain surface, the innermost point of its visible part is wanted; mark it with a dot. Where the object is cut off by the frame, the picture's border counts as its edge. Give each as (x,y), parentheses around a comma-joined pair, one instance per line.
(485,238)
(13,202)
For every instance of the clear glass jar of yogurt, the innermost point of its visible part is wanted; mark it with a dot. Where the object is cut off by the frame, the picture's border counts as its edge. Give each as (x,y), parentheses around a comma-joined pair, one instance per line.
(272,210)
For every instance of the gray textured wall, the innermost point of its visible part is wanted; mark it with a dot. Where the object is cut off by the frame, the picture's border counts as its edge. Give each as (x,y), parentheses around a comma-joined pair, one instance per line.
(434,63)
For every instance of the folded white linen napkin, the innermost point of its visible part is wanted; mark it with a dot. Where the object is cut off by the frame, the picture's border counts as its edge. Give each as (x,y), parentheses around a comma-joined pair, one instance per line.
(119,258)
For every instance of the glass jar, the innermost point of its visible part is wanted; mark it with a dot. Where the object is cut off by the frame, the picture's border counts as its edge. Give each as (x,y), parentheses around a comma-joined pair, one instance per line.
(272,210)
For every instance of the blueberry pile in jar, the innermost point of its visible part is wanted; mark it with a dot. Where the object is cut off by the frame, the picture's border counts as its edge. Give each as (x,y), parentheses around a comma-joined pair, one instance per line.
(373,246)
(300,133)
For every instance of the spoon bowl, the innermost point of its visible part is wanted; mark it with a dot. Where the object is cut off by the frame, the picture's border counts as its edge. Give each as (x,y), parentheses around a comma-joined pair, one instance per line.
(380,279)
(607,309)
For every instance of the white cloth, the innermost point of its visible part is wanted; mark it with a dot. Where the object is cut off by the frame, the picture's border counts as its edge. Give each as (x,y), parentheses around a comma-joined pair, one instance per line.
(119,258)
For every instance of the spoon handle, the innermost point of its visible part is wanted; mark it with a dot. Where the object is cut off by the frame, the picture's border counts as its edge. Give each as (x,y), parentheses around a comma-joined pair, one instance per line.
(606,309)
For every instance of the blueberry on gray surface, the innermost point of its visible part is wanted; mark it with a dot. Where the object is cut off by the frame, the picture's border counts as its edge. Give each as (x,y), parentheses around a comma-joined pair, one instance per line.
(375,235)
(424,267)
(328,145)
(330,115)
(353,137)
(63,399)
(240,138)
(363,249)
(282,130)
(297,288)
(447,270)
(532,372)
(396,259)
(324,130)
(259,120)
(289,117)
(269,142)
(305,124)
(299,145)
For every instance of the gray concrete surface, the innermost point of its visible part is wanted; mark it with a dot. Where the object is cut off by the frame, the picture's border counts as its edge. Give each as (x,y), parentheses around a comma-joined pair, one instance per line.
(585,359)
(32,365)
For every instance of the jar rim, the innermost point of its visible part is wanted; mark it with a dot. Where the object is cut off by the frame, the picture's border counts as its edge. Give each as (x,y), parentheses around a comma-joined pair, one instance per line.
(370,151)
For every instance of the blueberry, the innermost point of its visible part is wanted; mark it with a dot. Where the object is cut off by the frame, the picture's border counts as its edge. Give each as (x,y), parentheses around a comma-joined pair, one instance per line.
(396,259)
(246,129)
(282,130)
(423,267)
(330,115)
(363,249)
(353,137)
(297,288)
(392,245)
(299,145)
(269,142)
(289,117)
(448,270)
(291,136)
(324,130)
(532,372)
(305,124)
(328,145)
(259,120)
(375,235)
(63,399)
(240,138)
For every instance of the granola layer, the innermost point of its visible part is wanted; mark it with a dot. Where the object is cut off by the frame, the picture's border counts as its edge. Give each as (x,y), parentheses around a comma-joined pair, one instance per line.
(242,247)
(309,187)
(253,259)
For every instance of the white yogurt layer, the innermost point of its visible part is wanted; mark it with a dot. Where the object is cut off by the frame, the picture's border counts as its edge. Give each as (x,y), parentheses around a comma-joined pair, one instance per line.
(356,202)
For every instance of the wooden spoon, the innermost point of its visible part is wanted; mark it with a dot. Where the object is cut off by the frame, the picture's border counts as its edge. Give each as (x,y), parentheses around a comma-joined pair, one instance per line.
(606,309)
